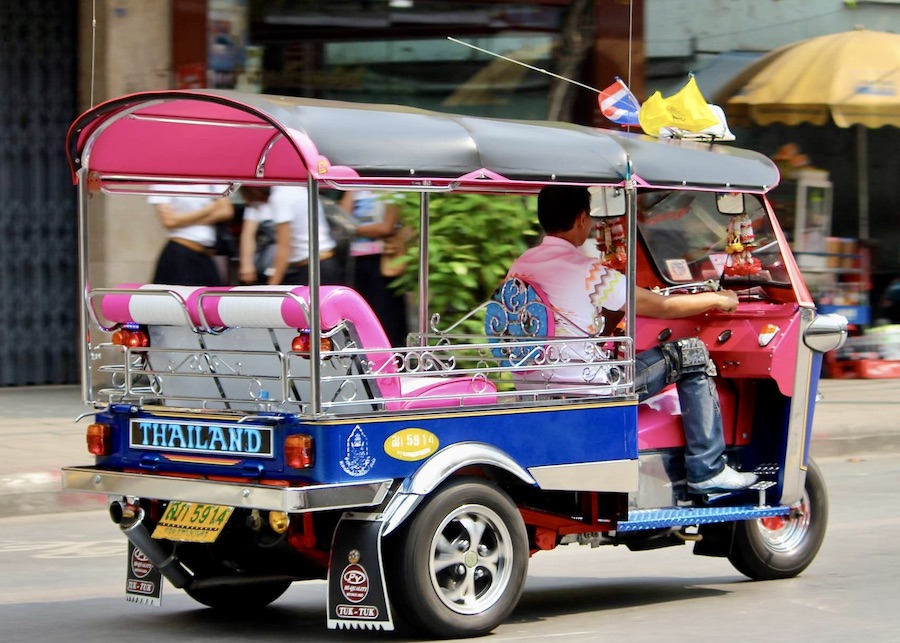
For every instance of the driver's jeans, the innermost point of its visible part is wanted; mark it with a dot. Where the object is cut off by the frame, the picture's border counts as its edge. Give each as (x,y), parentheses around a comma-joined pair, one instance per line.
(700,413)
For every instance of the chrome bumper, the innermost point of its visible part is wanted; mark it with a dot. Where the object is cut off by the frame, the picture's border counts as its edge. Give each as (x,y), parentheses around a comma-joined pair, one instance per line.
(251,496)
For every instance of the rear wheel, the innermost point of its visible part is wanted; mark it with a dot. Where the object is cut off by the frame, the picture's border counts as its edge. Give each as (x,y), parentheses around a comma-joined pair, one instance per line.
(783,546)
(239,597)
(461,561)
(232,560)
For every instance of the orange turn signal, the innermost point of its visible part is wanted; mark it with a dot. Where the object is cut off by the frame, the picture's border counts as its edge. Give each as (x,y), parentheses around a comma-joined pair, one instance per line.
(299,451)
(767,334)
(99,439)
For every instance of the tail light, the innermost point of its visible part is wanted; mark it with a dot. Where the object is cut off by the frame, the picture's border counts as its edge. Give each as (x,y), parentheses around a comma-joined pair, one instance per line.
(131,336)
(99,439)
(299,451)
(301,343)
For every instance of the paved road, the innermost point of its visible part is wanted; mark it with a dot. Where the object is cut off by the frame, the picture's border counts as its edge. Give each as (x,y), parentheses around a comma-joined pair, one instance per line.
(64,574)
(38,436)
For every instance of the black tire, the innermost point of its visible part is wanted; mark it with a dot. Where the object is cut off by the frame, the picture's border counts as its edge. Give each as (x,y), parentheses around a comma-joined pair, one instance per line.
(460,563)
(239,598)
(773,548)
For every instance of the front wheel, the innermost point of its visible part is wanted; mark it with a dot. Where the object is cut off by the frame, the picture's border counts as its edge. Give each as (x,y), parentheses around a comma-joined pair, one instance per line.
(783,546)
(462,563)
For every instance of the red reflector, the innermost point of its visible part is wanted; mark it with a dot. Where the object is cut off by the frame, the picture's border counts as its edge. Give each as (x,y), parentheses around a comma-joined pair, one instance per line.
(299,452)
(98,439)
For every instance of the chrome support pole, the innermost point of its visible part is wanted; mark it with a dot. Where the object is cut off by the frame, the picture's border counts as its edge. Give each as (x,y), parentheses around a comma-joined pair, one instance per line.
(84,356)
(631,261)
(424,321)
(315,329)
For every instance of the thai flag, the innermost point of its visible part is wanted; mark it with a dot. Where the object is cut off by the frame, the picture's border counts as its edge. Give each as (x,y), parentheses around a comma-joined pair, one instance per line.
(619,105)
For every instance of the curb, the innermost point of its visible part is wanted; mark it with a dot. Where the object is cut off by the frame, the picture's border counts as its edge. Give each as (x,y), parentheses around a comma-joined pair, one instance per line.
(37,435)
(860,445)
(26,494)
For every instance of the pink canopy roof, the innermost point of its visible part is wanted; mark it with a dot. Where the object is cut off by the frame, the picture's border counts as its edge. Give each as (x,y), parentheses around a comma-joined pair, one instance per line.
(212,136)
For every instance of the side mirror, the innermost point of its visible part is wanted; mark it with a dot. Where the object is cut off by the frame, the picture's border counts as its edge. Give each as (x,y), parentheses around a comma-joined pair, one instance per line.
(607,201)
(826,332)
(730,202)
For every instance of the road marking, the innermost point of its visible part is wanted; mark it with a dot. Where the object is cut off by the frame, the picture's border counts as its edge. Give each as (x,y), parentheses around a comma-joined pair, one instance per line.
(60,594)
(65,549)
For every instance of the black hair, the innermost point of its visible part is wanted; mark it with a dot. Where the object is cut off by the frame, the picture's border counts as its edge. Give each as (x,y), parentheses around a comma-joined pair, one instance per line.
(560,205)
(255,194)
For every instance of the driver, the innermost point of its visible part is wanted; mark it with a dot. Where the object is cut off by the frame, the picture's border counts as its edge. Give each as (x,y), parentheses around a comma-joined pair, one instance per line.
(578,287)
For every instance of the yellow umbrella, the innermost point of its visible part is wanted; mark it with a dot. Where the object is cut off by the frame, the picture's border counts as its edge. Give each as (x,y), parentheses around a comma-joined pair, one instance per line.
(852,77)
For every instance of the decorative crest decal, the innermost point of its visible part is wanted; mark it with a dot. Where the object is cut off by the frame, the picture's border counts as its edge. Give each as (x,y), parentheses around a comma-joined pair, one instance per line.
(357,462)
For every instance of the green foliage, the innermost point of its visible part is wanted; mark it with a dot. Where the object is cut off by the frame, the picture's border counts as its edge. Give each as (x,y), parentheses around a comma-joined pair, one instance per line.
(473,240)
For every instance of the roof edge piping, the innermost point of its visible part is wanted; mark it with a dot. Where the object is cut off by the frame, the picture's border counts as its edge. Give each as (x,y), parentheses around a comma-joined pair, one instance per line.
(134,102)
(83,159)
(483,174)
(753,189)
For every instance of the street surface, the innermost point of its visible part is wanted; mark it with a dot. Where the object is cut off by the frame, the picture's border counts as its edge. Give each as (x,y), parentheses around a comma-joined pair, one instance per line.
(63,577)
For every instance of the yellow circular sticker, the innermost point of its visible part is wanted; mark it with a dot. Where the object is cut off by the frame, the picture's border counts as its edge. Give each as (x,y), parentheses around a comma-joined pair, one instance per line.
(411,444)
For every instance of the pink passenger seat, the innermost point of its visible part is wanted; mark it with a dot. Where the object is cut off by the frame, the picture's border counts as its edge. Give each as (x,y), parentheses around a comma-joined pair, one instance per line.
(287,307)
(151,304)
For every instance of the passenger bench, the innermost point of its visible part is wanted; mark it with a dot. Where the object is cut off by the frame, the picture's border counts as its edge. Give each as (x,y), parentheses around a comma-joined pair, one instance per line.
(244,330)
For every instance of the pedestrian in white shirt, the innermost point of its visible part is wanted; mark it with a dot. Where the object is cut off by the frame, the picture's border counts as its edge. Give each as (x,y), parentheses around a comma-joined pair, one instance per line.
(187,258)
(287,208)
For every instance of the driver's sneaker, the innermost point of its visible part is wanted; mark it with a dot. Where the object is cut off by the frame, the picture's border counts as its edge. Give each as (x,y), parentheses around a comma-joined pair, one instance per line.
(726,480)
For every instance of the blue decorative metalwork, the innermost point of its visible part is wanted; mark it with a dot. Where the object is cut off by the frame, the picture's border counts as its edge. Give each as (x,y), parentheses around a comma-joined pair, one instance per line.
(516,311)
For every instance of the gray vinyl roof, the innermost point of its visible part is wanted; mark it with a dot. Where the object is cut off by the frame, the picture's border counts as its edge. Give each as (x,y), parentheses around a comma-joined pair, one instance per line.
(235,136)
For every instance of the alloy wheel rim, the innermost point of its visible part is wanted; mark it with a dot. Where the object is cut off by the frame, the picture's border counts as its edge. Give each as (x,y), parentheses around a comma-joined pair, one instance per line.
(471,559)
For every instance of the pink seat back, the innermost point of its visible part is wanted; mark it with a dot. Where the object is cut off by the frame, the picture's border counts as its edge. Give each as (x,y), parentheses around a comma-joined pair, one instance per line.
(151,304)
(267,307)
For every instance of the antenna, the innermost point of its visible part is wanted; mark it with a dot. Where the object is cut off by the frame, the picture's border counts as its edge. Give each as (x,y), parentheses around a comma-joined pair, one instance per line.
(630,37)
(93,47)
(517,62)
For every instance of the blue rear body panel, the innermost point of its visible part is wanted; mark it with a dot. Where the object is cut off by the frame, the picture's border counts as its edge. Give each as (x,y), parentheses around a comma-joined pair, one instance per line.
(356,449)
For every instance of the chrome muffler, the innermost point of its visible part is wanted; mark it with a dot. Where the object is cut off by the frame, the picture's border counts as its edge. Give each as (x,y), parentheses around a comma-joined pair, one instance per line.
(130,520)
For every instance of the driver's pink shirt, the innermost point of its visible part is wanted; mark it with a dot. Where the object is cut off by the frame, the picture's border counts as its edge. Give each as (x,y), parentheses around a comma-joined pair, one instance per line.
(577,285)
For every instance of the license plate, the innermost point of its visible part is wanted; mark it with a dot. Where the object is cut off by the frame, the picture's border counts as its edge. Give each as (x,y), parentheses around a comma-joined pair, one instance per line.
(192,522)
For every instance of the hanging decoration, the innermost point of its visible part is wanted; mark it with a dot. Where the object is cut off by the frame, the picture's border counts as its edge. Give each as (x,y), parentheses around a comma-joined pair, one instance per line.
(739,244)
(611,243)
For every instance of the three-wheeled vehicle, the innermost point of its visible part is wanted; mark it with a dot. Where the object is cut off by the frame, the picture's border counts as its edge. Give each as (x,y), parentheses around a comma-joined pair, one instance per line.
(250,437)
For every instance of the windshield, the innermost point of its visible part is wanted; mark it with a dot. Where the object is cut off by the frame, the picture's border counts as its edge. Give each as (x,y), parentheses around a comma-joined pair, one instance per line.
(689,240)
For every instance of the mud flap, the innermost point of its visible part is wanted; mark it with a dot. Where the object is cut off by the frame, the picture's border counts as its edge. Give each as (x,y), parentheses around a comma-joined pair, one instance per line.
(717,540)
(143,582)
(357,593)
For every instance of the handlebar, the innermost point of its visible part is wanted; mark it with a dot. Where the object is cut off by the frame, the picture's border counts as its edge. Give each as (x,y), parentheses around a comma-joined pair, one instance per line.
(710,285)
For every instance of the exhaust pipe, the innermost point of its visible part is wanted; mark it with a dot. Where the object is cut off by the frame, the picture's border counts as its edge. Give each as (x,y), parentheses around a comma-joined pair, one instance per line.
(130,520)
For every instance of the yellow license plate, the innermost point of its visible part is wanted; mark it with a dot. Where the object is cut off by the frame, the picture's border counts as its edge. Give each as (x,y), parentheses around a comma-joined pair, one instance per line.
(192,522)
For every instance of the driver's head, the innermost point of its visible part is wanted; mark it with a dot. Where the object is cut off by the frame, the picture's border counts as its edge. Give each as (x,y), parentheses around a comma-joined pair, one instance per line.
(559,206)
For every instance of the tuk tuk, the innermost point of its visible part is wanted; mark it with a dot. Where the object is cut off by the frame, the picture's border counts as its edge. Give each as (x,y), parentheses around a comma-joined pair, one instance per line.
(252,436)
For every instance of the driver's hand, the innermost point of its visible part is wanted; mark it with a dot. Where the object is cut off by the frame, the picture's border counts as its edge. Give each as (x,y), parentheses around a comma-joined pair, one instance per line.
(728,301)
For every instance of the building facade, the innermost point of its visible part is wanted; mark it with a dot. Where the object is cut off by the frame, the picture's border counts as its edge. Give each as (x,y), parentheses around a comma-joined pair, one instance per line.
(62,57)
